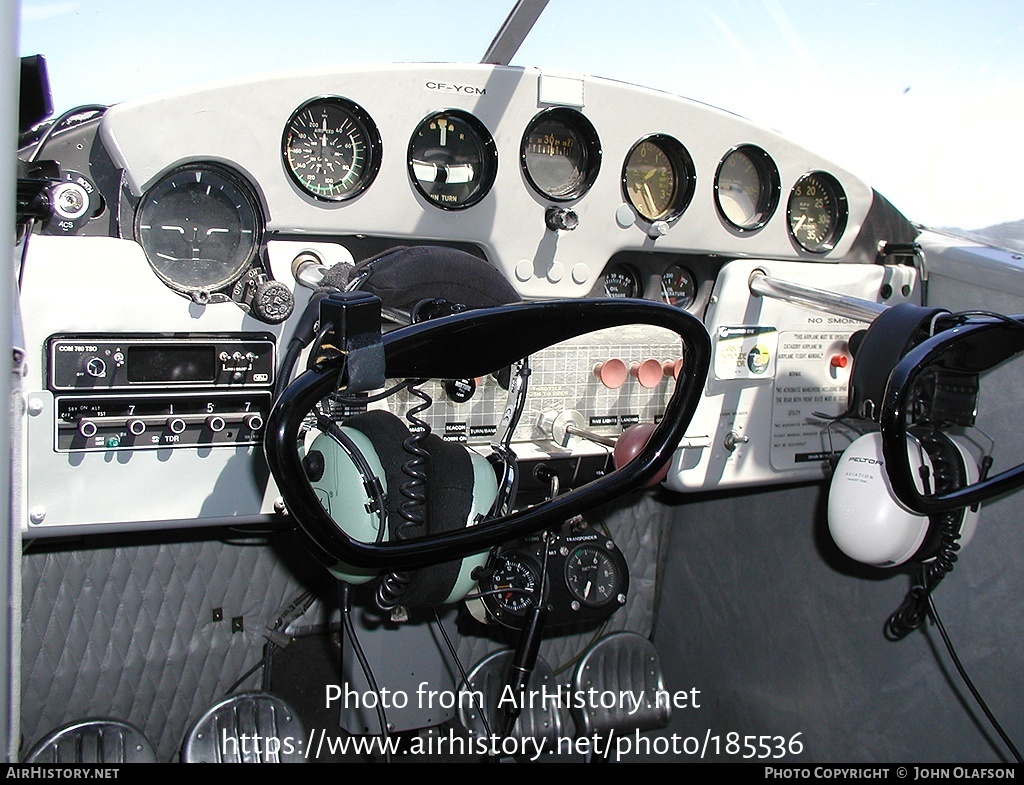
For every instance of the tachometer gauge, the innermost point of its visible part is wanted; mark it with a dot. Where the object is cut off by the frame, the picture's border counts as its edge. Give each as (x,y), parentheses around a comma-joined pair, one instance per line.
(561,154)
(658,178)
(452,159)
(747,188)
(592,576)
(817,212)
(677,286)
(200,227)
(621,281)
(331,148)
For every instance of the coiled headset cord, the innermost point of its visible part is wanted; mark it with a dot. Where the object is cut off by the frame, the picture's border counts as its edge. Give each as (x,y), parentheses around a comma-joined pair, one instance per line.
(394,586)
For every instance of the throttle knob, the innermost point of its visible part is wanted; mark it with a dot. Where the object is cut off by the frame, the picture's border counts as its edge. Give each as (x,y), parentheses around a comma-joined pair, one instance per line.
(632,440)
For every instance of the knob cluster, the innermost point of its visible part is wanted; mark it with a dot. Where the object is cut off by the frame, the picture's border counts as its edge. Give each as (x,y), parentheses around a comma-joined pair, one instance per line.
(649,373)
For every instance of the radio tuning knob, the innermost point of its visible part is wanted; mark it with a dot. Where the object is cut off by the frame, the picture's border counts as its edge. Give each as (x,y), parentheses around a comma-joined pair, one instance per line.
(95,367)
(176,425)
(87,428)
(215,423)
(253,422)
(136,427)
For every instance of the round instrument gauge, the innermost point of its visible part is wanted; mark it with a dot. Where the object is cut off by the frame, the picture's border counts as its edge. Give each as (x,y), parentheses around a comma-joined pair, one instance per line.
(747,188)
(622,281)
(658,178)
(592,576)
(452,159)
(561,154)
(331,148)
(817,212)
(513,583)
(678,287)
(200,227)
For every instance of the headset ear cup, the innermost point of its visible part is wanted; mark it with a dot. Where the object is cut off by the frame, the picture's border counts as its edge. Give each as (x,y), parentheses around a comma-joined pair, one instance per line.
(387,433)
(450,480)
(867,522)
(446,488)
(952,469)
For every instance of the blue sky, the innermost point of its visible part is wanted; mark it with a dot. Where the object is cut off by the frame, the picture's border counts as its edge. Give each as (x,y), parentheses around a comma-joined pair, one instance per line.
(924,100)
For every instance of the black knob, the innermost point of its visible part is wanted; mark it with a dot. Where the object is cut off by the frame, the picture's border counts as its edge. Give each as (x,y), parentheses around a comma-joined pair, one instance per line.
(253,422)
(215,423)
(313,464)
(460,390)
(561,218)
(272,302)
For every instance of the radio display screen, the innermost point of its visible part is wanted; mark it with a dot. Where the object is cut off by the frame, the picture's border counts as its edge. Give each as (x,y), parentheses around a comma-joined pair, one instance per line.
(171,363)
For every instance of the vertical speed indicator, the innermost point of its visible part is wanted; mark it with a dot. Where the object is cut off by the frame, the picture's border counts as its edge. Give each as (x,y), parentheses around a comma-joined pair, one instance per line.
(331,148)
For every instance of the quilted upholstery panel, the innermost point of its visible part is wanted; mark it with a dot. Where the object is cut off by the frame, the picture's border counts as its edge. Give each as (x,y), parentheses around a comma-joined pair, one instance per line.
(129,631)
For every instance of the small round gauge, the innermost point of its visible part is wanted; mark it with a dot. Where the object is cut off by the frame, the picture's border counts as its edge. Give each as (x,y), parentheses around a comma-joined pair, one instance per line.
(747,188)
(561,154)
(658,178)
(621,281)
(452,159)
(200,227)
(817,212)
(592,576)
(514,583)
(331,148)
(677,286)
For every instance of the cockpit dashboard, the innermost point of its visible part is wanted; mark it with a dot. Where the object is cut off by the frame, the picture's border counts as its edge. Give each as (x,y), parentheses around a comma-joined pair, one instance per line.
(158,299)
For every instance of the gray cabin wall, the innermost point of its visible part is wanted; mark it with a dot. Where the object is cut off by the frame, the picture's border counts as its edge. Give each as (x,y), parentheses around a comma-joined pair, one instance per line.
(784,635)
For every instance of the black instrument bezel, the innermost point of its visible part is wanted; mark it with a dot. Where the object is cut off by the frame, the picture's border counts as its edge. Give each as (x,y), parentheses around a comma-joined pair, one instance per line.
(575,122)
(374,147)
(770,191)
(683,169)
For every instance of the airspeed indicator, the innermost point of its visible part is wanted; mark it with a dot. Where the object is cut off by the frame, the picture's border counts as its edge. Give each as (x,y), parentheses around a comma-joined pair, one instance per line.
(331,148)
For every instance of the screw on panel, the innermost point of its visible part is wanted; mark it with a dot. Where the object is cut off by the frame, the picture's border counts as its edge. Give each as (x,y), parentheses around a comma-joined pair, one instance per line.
(218,614)
(237,625)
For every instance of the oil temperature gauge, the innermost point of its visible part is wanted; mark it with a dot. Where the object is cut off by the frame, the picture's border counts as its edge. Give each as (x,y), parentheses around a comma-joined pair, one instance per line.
(677,286)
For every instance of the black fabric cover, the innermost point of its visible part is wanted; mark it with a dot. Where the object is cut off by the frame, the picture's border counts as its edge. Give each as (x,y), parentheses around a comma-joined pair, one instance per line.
(893,333)
(448,488)
(404,276)
(387,433)
(449,500)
